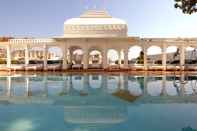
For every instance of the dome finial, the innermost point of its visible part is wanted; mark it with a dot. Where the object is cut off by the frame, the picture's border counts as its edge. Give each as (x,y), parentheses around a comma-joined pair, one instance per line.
(94,4)
(95,14)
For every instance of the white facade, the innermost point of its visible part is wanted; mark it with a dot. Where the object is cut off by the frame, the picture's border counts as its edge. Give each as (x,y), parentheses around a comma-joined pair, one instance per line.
(98,31)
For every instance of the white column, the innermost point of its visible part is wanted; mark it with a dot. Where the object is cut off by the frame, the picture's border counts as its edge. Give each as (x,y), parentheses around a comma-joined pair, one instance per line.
(64,67)
(126,53)
(69,57)
(119,58)
(85,58)
(104,59)
(182,57)
(33,54)
(145,58)
(45,56)
(164,57)
(8,56)
(26,55)
(29,54)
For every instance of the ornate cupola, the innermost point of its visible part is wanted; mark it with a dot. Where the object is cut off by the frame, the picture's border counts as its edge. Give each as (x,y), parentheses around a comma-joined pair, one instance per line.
(95,24)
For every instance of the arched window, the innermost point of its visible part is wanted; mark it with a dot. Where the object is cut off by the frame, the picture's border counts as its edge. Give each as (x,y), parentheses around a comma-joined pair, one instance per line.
(154,55)
(136,55)
(190,55)
(173,55)
(113,57)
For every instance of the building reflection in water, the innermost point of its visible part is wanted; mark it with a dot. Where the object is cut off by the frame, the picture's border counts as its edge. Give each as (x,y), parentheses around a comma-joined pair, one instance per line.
(94,112)
(96,101)
(83,85)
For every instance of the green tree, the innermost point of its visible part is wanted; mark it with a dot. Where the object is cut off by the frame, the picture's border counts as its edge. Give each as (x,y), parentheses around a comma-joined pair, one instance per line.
(140,59)
(187,6)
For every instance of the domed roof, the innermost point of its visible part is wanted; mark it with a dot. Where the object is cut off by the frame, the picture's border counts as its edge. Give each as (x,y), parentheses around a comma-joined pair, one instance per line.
(88,114)
(95,24)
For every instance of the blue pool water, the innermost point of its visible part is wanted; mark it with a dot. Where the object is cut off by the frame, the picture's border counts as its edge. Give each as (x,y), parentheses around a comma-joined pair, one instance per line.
(98,102)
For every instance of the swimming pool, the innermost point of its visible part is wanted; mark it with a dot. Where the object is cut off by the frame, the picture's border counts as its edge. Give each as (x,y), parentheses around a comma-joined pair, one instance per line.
(98,102)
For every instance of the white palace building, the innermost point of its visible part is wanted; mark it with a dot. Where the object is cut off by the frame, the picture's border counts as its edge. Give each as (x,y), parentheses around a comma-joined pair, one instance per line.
(87,43)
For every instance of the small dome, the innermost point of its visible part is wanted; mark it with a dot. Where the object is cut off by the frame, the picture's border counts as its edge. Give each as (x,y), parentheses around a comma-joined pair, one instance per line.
(95,24)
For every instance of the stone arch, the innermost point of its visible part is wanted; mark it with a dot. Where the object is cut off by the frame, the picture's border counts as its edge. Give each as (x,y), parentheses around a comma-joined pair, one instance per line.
(190,55)
(55,55)
(76,55)
(55,52)
(95,56)
(113,57)
(173,55)
(135,55)
(154,55)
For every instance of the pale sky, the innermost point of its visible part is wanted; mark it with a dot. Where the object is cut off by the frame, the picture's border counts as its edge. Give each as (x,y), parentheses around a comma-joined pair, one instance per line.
(45,18)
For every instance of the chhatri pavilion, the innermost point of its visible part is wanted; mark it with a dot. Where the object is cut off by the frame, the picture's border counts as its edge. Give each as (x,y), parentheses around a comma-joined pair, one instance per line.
(87,43)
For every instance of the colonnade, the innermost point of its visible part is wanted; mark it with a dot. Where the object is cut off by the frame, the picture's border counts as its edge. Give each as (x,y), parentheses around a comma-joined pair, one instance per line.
(27,55)
(122,63)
